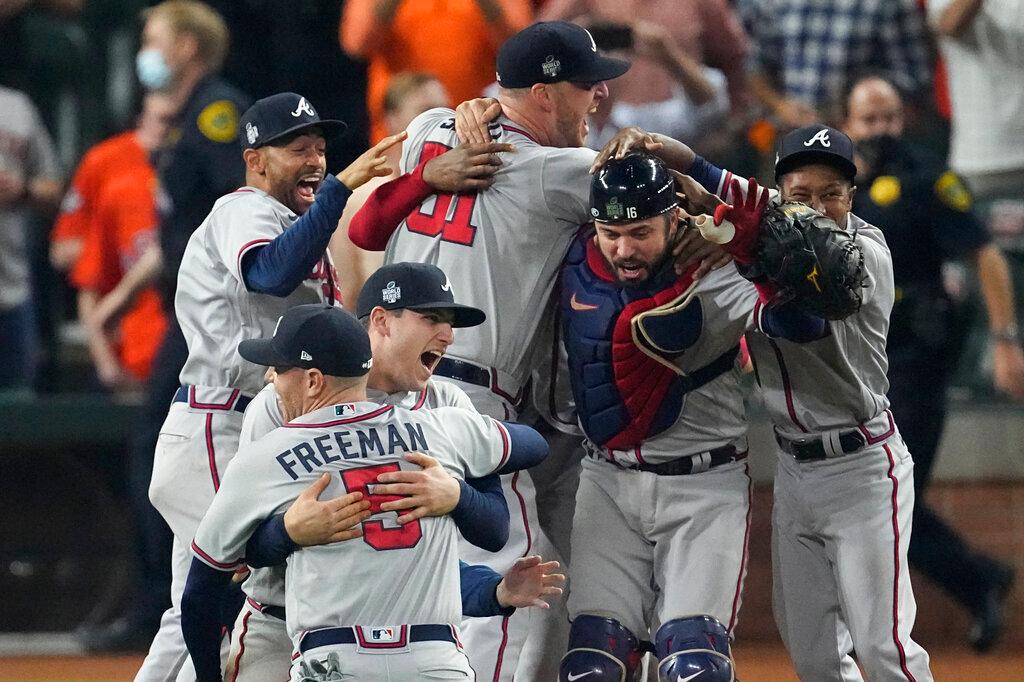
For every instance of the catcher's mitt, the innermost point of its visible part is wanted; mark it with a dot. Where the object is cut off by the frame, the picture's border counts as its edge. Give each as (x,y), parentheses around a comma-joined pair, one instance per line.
(809,260)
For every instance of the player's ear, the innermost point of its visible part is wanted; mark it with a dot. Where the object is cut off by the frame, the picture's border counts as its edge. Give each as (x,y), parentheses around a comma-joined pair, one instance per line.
(379,321)
(254,161)
(543,95)
(316,382)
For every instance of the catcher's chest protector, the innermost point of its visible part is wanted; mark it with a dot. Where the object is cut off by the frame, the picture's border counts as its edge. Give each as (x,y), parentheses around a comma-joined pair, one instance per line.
(623,396)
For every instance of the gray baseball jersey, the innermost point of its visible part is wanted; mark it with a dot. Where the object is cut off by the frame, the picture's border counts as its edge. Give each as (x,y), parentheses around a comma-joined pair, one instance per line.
(213,306)
(840,380)
(712,415)
(524,222)
(263,415)
(412,569)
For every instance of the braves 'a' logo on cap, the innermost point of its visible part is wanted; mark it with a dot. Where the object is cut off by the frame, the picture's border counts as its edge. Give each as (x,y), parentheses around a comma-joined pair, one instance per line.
(447,286)
(252,133)
(821,137)
(593,45)
(391,293)
(304,107)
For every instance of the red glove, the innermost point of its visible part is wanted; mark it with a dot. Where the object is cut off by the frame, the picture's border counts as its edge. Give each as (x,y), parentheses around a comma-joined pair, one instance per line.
(746,218)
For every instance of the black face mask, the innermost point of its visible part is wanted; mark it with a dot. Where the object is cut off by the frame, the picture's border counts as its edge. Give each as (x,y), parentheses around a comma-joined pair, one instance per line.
(878,152)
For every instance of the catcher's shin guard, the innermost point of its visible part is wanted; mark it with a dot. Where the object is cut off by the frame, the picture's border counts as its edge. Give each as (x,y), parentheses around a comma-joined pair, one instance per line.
(601,650)
(696,647)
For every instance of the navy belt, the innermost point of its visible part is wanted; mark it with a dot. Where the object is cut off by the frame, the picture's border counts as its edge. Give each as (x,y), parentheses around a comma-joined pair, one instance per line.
(183,395)
(463,371)
(700,462)
(417,633)
(812,449)
(275,611)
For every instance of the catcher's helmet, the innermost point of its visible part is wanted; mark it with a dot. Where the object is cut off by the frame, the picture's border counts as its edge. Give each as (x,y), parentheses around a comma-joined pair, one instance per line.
(635,187)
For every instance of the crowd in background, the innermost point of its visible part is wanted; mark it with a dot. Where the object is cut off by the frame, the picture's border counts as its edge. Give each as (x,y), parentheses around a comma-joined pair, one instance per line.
(83,263)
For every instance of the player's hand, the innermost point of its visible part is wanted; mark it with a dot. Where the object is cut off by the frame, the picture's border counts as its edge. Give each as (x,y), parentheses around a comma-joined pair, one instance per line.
(1008,369)
(467,168)
(373,163)
(312,522)
(693,198)
(625,141)
(432,491)
(473,117)
(692,249)
(528,582)
(737,226)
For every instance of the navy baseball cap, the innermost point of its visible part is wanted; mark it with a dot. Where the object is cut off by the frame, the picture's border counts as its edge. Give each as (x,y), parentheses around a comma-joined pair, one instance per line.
(282,115)
(816,144)
(554,51)
(414,286)
(314,336)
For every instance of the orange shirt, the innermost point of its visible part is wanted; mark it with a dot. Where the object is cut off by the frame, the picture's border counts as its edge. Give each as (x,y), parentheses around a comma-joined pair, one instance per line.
(123,223)
(120,153)
(447,38)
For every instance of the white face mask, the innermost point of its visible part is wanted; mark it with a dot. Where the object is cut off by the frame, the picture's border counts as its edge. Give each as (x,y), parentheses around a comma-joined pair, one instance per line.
(152,69)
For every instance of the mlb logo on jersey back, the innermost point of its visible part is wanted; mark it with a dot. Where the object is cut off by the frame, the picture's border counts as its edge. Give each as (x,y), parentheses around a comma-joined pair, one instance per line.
(342,410)
(391,293)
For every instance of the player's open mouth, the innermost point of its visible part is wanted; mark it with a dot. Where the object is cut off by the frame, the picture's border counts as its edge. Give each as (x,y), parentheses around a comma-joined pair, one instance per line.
(430,359)
(308,186)
(630,271)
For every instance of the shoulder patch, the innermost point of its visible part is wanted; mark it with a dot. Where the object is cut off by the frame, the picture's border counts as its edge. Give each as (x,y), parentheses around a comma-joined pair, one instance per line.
(885,190)
(952,191)
(218,121)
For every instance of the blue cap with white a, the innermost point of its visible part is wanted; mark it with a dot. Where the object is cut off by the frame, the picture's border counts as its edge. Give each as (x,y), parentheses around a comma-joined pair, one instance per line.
(283,115)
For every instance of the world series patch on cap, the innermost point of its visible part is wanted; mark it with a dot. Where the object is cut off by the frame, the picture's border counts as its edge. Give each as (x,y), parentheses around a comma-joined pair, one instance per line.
(416,286)
(282,115)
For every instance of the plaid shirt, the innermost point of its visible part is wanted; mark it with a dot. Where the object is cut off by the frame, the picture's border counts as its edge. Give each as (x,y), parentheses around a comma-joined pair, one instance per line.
(813,47)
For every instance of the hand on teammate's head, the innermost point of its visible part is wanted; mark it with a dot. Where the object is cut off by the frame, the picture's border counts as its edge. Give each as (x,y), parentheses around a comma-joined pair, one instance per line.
(625,141)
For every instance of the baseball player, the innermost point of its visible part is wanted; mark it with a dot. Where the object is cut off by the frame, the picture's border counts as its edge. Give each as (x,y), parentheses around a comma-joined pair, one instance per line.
(410,311)
(350,608)
(844,488)
(660,531)
(503,247)
(250,260)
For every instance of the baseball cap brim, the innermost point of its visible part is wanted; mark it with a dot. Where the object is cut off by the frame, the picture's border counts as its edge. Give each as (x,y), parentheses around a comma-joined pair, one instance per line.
(840,163)
(331,129)
(601,68)
(262,352)
(462,315)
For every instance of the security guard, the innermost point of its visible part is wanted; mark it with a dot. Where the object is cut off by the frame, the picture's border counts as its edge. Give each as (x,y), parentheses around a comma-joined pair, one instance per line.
(924,209)
(184,43)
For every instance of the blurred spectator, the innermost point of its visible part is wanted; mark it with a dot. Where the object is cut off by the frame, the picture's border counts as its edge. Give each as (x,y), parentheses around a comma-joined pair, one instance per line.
(29,180)
(669,37)
(926,213)
(409,94)
(807,51)
(184,44)
(455,40)
(982,44)
(114,194)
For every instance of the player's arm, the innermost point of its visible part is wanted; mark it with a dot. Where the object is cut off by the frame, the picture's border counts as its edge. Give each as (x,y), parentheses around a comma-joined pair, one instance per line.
(280,265)
(466,168)
(202,604)
(485,592)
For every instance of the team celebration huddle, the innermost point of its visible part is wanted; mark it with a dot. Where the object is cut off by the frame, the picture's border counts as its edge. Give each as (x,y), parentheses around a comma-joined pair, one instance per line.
(356,486)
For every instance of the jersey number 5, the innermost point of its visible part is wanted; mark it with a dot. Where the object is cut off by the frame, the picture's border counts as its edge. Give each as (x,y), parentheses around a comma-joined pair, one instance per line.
(456,228)
(374,532)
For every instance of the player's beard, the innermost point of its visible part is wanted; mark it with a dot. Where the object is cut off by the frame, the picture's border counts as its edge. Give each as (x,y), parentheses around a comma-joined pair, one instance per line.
(651,268)
(572,127)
